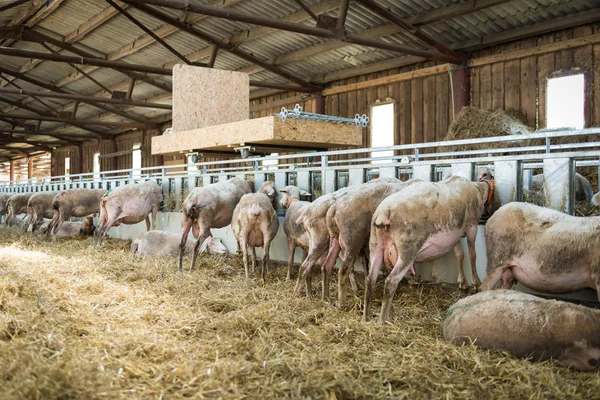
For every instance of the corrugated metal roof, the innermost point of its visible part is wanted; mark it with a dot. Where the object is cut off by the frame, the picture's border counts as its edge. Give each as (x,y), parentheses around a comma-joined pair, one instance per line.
(117,35)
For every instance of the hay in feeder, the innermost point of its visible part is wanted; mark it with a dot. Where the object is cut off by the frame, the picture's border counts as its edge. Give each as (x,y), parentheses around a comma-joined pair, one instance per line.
(534,197)
(473,123)
(76,322)
(170,200)
(582,208)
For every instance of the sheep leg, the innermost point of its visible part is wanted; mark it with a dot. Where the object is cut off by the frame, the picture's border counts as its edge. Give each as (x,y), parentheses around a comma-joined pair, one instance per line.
(265,258)
(471,235)
(460,256)
(492,277)
(346,271)
(370,279)
(434,275)
(154,214)
(244,248)
(291,250)
(201,239)
(327,267)
(187,225)
(253,254)
(315,251)
(147,223)
(391,284)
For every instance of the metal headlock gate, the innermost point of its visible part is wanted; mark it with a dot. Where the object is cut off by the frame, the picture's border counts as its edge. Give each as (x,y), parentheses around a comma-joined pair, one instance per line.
(513,159)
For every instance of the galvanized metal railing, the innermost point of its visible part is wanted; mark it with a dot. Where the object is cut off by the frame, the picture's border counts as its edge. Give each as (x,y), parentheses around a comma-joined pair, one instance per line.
(319,172)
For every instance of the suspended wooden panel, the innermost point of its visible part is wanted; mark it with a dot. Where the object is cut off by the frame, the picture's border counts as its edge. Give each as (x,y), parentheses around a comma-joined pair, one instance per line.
(270,133)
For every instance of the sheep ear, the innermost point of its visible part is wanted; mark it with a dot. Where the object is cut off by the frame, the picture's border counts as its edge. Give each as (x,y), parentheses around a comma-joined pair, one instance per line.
(305,193)
(284,190)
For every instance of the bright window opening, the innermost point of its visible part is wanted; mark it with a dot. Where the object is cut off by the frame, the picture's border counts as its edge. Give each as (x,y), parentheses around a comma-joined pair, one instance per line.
(96,166)
(382,130)
(565,102)
(136,158)
(272,163)
(67,168)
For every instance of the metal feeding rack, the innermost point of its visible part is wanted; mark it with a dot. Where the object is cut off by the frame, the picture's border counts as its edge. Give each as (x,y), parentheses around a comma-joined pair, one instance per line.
(298,113)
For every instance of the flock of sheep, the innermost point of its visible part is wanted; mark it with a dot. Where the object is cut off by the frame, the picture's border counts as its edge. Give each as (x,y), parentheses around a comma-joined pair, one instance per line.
(387,223)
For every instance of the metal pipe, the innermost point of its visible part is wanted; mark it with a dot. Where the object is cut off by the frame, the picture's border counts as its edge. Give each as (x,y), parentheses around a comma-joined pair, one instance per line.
(9,51)
(69,120)
(60,90)
(12,5)
(341,19)
(416,32)
(149,32)
(225,46)
(34,36)
(51,133)
(89,99)
(236,15)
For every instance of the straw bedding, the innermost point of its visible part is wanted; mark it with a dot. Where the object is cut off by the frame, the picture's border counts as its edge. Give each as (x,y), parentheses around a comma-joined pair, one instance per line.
(76,322)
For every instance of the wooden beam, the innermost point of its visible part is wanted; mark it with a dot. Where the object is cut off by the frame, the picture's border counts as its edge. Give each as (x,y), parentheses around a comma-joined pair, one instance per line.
(535,51)
(405,76)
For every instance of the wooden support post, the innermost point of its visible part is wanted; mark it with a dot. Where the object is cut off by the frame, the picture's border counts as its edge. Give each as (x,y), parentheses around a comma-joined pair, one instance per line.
(461,80)
(12,171)
(319,104)
(81,170)
(30,168)
(113,160)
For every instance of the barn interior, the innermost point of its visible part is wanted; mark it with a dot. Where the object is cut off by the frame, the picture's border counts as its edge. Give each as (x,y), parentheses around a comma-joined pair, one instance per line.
(87,89)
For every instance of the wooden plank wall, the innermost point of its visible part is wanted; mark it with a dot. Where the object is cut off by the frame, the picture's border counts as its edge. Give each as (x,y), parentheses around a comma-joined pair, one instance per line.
(520,85)
(122,142)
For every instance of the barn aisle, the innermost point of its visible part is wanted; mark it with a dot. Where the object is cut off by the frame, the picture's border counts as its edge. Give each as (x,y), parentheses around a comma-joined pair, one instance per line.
(82,323)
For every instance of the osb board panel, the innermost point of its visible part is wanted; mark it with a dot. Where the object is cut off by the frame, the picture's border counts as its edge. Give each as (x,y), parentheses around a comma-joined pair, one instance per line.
(207,97)
(266,130)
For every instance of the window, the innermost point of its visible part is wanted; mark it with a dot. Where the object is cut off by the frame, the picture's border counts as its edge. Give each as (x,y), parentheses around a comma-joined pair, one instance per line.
(382,130)
(96,166)
(271,162)
(136,158)
(67,168)
(565,98)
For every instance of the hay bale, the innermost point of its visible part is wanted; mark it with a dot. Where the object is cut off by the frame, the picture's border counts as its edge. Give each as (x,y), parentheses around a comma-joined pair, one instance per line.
(471,123)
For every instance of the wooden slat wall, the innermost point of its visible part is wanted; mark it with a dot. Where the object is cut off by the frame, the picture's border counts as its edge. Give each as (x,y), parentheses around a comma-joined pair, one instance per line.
(520,85)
